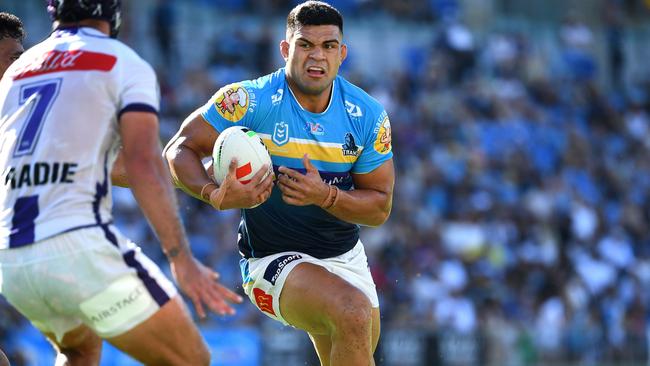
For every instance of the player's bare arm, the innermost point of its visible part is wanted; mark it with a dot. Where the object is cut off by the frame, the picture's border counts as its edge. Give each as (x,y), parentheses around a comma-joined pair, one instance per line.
(118,173)
(184,153)
(368,204)
(150,183)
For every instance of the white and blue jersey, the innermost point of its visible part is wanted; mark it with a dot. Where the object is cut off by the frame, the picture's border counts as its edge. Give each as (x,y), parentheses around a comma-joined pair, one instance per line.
(59,107)
(351,136)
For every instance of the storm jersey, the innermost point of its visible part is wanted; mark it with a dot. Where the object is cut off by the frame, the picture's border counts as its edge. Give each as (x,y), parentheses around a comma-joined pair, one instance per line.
(351,136)
(59,107)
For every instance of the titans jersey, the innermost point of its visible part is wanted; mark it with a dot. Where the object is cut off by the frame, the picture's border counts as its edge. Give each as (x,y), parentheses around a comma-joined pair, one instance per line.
(59,107)
(351,136)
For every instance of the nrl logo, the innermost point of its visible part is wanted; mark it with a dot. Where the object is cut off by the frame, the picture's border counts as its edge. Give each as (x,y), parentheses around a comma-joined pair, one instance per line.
(280,133)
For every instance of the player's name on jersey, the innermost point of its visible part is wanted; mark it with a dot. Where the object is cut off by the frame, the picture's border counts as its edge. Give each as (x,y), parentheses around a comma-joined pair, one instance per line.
(38,174)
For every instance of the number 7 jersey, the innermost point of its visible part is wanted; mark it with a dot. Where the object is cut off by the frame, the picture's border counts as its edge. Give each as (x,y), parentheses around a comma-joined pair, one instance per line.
(59,136)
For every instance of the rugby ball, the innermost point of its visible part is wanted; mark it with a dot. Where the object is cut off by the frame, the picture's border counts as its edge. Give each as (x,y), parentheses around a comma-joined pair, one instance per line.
(245,145)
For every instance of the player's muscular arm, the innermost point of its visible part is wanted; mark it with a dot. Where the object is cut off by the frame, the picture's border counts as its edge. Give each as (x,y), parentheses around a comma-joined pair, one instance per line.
(368,204)
(151,185)
(371,200)
(184,152)
(149,177)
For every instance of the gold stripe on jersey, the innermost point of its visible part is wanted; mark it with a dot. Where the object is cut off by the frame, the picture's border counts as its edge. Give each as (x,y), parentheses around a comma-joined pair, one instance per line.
(323,151)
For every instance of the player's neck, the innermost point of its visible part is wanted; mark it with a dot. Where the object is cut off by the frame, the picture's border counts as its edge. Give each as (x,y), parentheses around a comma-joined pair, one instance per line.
(100,25)
(314,103)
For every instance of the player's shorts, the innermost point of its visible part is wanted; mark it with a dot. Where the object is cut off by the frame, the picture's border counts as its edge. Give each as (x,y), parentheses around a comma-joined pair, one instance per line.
(263,278)
(92,276)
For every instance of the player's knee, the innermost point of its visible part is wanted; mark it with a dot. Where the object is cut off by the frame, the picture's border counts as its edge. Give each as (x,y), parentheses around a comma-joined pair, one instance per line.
(353,311)
(198,355)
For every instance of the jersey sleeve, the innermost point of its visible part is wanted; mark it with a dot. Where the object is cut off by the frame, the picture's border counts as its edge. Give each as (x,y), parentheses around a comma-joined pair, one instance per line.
(230,106)
(377,146)
(139,89)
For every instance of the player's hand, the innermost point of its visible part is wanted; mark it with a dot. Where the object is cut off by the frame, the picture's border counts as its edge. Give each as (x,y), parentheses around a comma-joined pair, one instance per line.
(235,194)
(200,284)
(302,189)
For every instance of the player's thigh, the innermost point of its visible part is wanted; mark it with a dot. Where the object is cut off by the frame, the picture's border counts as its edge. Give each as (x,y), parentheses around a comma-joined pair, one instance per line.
(168,337)
(323,342)
(316,300)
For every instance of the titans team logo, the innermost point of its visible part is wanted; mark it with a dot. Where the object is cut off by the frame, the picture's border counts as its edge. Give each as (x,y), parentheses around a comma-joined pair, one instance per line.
(232,102)
(350,147)
(280,133)
(382,144)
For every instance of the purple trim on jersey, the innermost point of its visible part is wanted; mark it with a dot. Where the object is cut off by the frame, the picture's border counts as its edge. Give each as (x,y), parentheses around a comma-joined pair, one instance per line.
(152,286)
(137,107)
(22,224)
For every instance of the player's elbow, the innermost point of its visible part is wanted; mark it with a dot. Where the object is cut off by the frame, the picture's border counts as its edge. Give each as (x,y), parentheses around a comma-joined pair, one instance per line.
(380,216)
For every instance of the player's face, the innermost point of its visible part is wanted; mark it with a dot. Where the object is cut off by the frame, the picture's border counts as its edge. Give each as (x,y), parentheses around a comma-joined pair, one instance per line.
(10,50)
(313,54)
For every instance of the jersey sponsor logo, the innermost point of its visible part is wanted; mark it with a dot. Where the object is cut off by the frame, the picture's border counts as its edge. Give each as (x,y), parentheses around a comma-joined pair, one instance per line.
(277,97)
(382,143)
(350,148)
(264,301)
(353,110)
(274,268)
(55,61)
(314,128)
(280,133)
(38,174)
(232,102)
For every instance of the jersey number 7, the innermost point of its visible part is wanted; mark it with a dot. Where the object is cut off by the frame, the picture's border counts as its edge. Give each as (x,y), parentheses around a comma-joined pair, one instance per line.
(36,98)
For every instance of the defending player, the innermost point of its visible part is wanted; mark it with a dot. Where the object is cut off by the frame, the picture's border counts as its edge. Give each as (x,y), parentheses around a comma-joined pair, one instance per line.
(11,40)
(65,108)
(330,144)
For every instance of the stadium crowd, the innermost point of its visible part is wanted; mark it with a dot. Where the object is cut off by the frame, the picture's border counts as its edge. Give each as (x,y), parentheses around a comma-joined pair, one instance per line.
(522,198)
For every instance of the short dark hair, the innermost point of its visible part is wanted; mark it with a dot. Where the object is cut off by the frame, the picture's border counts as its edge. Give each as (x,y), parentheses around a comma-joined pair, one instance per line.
(11,27)
(313,13)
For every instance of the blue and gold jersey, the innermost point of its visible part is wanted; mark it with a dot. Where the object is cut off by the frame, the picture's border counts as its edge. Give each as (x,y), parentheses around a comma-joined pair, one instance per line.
(351,136)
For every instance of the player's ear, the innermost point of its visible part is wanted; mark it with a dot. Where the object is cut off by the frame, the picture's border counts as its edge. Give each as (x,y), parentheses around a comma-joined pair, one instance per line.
(284,49)
(344,52)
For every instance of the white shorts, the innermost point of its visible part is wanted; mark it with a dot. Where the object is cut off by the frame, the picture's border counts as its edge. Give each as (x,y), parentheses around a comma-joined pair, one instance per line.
(263,278)
(93,276)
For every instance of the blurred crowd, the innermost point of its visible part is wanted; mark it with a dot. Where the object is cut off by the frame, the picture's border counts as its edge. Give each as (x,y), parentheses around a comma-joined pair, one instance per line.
(522,198)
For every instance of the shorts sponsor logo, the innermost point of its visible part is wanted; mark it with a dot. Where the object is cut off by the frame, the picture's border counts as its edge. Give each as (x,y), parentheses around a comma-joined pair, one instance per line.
(120,302)
(264,301)
(382,143)
(231,102)
(277,265)
(112,309)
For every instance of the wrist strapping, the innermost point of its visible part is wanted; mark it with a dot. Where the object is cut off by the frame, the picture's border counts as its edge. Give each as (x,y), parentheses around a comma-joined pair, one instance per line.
(203,192)
(332,197)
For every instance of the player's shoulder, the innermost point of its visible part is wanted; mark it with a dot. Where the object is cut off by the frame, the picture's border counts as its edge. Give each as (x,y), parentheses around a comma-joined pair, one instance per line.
(358,103)
(267,84)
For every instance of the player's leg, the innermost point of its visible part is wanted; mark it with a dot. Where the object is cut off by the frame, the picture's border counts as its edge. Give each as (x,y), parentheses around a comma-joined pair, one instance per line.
(80,346)
(323,343)
(169,337)
(324,304)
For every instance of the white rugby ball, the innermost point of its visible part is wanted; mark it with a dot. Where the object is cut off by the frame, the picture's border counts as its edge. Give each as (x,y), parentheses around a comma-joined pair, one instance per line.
(245,145)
